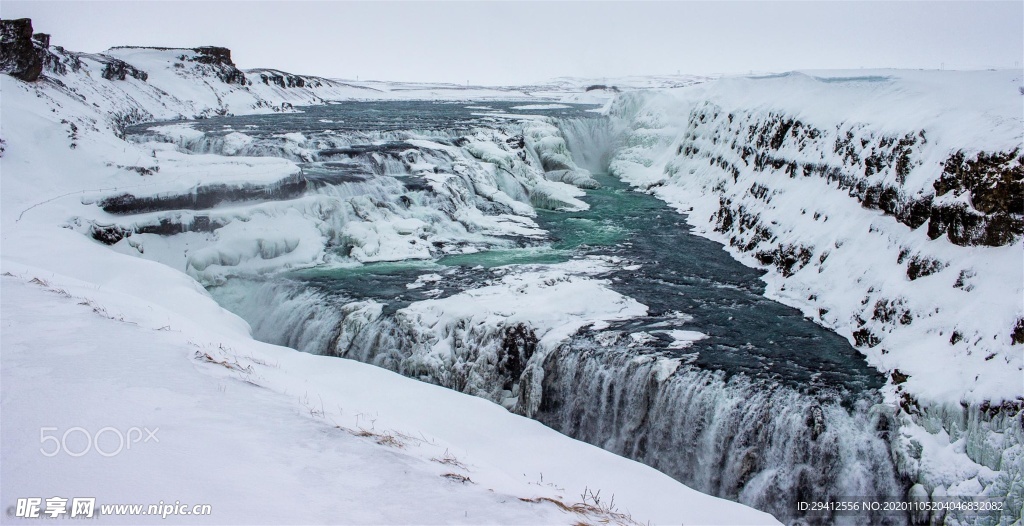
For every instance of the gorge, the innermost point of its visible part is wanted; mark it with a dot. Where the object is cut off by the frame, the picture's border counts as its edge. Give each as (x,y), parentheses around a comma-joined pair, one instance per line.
(782,289)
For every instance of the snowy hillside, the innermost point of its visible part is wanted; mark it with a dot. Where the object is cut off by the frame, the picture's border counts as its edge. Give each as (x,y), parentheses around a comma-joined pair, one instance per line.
(885,205)
(95,337)
(888,205)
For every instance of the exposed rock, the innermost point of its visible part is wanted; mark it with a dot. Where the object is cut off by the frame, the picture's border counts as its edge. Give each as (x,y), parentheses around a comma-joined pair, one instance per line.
(516,142)
(787,258)
(111,234)
(921,266)
(898,377)
(220,58)
(286,80)
(517,346)
(212,59)
(42,39)
(995,184)
(120,70)
(26,56)
(20,55)
(108,234)
(205,197)
(864,337)
(909,404)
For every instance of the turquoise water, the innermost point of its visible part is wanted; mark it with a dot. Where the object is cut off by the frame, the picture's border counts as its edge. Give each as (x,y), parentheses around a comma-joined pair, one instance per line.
(678,272)
(502,257)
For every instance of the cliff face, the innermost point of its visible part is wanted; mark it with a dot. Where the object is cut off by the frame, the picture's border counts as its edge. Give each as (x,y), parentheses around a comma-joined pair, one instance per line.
(212,61)
(220,59)
(285,80)
(887,207)
(975,200)
(21,55)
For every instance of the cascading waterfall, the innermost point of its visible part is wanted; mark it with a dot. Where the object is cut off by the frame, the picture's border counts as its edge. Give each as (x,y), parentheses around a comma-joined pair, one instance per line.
(591,141)
(760,443)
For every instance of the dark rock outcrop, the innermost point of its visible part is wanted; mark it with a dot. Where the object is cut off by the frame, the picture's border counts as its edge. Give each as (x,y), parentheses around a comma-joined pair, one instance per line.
(1017,334)
(204,197)
(121,70)
(517,346)
(20,55)
(285,80)
(27,56)
(42,39)
(220,59)
(995,183)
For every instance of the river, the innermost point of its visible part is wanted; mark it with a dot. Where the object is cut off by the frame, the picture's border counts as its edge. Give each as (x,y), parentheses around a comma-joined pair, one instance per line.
(766,407)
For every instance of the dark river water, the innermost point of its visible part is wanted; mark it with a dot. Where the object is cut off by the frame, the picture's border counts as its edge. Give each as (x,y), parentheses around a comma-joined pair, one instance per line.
(679,273)
(381,116)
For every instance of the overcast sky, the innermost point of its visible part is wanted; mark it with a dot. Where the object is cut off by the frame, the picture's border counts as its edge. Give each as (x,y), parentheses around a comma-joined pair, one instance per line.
(488,42)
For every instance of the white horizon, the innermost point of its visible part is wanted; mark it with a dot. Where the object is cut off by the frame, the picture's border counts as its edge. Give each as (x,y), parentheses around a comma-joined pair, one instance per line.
(521,43)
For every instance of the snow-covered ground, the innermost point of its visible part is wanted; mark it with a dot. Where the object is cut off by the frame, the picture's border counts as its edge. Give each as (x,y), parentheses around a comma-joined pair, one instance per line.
(96,338)
(266,434)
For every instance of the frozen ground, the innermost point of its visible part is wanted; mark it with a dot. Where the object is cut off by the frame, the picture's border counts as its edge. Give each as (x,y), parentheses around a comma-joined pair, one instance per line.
(268,435)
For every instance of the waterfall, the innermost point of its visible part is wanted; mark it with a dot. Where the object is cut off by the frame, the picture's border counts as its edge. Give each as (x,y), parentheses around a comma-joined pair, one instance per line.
(759,443)
(762,444)
(591,141)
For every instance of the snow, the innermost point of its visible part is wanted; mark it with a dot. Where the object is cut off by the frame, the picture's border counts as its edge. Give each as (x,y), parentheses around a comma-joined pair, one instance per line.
(260,244)
(424,280)
(183,173)
(554,300)
(121,362)
(127,335)
(554,195)
(682,339)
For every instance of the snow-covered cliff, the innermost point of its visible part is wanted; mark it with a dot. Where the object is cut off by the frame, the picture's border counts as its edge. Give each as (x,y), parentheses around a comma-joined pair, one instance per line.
(885,205)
